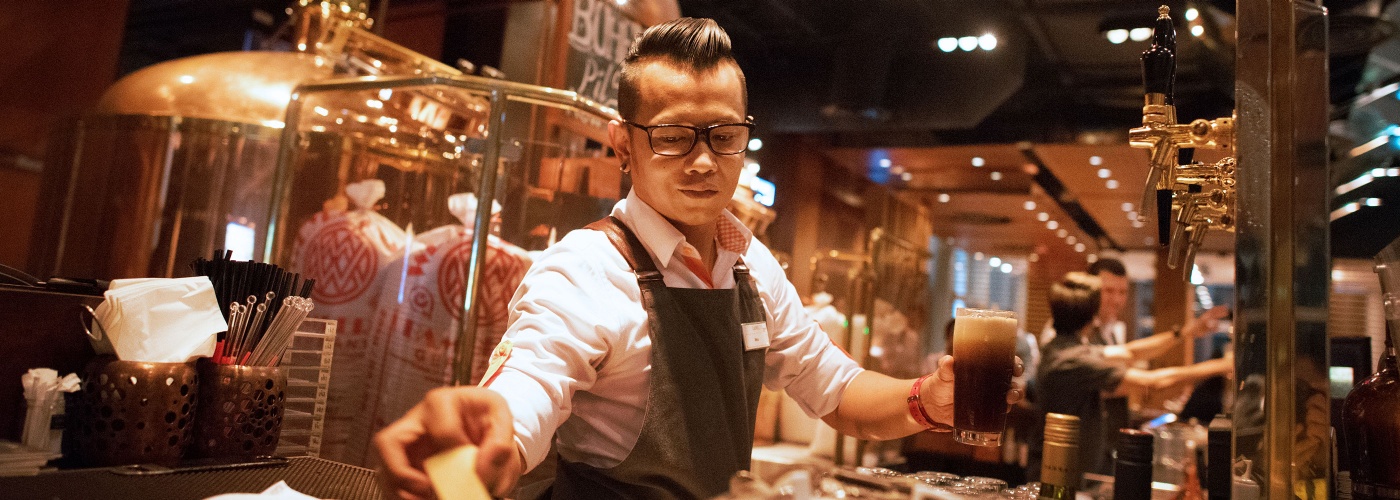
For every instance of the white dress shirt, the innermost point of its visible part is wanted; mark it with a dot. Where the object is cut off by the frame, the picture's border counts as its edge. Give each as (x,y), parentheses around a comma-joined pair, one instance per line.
(582,355)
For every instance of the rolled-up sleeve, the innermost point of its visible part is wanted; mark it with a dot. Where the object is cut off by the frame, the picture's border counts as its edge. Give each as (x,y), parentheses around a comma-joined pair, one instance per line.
(559,328)
(801,360)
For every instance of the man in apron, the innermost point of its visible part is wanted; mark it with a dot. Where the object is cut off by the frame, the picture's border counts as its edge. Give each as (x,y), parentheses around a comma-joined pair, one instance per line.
(637,346)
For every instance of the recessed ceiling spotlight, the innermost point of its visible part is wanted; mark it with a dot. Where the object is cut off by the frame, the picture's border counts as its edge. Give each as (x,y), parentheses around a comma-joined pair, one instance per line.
(1071,239)
(996,176)
(1030,205)
(947,44)
(977,256)
(1061,233)
(1096,160)
(908,176)
(1140,34)
(987,41)
(1052,225)
(1104,173)
(1111,184)
(1127,206)
(968,43)
(1138,223)
(1192,14)
(1079,247)
(1006,267)
(978,161)
(1116,36)
(1042,216)
(995,261)
(943,198)
(1198,30)
(755,144)
(885,163)
(1092,258)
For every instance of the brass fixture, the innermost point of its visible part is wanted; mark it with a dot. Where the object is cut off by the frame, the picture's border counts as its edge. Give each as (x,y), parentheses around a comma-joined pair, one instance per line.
(1188,198)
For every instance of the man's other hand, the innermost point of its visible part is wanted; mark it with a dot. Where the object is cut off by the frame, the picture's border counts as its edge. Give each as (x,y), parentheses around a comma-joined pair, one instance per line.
(447,418)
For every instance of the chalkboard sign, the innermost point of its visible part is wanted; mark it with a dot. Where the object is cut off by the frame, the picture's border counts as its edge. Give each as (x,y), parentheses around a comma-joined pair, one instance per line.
(598,41)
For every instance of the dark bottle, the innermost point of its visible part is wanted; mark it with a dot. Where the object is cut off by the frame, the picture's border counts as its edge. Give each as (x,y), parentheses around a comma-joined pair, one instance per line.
(1132,470)
(1059,465)
(1371,423)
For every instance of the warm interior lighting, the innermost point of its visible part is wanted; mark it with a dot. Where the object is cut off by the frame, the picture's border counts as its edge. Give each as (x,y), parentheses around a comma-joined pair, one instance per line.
(1104,173)
(947,44)
(944,198)
(1111,184)
(978,161)
(1042,216)
(1128,206)
(1029,205)
(995,262)
(374,103)
(1140,34)
(755,144)
(996,176)
(1198,30)
(1079,247)
(967,43)
(1096,160)
(885,163)
(1192,14)
(1052,225)
(1006,267)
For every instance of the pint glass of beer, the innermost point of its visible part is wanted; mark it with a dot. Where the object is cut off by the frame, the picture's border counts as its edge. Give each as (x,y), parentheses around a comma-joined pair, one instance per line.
(984,350)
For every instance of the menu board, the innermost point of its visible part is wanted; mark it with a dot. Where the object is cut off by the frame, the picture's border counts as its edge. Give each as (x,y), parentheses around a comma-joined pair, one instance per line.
(599,38)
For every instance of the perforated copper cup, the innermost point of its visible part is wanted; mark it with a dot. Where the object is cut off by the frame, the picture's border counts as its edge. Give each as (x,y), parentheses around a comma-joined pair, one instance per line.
(131,412)
(240,410)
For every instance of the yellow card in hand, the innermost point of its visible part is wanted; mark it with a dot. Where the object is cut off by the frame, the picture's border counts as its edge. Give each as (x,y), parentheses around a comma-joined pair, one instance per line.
(453,474)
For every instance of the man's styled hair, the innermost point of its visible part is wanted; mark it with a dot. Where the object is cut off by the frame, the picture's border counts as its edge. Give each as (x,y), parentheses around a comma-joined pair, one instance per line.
(1074,301)
(1108,265)
(694,43)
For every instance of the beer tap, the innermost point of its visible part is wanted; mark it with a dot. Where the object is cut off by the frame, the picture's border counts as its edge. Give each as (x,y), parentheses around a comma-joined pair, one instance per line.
(1188,198)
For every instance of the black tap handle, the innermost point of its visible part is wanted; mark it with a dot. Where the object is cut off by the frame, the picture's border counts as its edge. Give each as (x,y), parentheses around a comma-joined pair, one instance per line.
(1159,61)
(1164,217)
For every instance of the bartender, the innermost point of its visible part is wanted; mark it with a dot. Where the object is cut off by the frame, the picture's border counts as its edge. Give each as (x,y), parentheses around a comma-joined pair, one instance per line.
(638,346)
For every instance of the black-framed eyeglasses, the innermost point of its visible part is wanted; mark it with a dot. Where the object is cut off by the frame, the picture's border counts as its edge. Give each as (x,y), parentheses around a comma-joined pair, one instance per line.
(677,140)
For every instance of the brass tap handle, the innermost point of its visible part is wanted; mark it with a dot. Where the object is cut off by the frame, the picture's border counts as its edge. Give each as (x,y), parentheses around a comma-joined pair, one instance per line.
(1159,61)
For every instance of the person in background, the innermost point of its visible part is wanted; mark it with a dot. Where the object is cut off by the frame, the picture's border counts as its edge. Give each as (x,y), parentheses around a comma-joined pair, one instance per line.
(1075,374)
(653,395)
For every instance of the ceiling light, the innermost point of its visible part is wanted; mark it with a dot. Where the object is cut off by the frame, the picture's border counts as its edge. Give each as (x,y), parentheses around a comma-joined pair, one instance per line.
(1198,30)
(995,262)
(1071,239)
(1030,205)
(978,161)
(1116,36)
(943,198)
(1132,215)
(385,94)
(322,111)
(186,79)
(907,176)
(1104,173)
(977,256)
(996,176)
(1127,206)
(1033,257)
(1092,258)
(376,104)
(1052,225)
(1006,267)
(1079,247)
(987,41)
(755,144)
(1096,160)
(967,43)
(885,163)
(947,44)
(1372,202)
(1138,223)
(1042,216)
(1061,233)
(1140,34)
(1192,14)
(1112,184)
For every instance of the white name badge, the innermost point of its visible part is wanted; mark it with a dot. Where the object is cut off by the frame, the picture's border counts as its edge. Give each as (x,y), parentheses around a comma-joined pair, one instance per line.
(755,336)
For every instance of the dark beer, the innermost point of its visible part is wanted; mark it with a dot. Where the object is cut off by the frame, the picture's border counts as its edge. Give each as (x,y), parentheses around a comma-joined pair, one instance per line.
(984,350)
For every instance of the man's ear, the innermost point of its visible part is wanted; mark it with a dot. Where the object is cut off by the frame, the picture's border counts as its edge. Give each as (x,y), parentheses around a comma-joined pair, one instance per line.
(618,136)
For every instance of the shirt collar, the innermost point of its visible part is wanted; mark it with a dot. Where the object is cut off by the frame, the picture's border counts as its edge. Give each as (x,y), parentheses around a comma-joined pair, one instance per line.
(663,241)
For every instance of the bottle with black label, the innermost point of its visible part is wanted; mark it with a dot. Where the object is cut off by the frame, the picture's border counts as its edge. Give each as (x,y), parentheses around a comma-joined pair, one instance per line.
(1059,466)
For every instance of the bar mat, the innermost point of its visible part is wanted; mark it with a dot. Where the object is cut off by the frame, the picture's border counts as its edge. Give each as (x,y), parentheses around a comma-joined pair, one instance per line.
(312,476)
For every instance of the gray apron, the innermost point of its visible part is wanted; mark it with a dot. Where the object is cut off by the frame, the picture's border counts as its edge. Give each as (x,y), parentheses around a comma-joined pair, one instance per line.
(703,395)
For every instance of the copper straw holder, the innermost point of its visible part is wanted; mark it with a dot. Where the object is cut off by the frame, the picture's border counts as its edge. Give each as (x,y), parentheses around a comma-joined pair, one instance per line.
(240,410)
(131,412)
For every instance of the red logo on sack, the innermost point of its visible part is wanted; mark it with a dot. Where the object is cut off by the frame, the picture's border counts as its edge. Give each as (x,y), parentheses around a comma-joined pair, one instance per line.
(498,281)
(342,263)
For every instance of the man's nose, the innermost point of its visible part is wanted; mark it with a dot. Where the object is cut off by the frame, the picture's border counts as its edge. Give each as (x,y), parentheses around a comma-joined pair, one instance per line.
(704,160)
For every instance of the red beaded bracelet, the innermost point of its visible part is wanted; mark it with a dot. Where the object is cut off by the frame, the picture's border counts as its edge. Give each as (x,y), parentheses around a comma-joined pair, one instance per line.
(916,408)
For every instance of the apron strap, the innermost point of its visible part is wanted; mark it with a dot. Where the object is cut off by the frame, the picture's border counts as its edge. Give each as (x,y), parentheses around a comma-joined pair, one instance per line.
(626,243)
